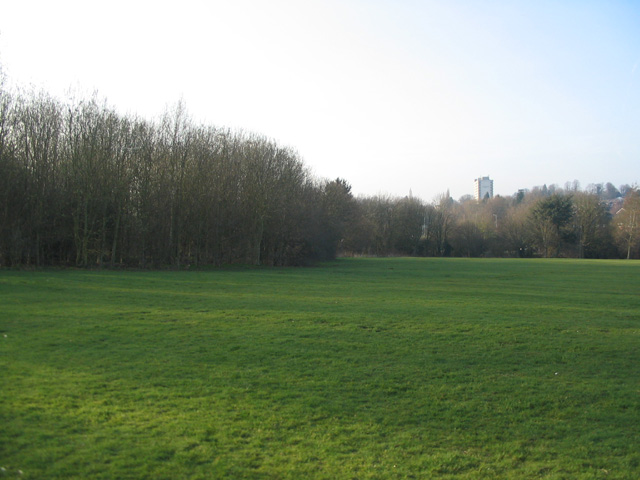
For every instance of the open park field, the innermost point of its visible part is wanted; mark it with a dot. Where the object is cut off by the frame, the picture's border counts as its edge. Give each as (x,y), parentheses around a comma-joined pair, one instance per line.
(360,368)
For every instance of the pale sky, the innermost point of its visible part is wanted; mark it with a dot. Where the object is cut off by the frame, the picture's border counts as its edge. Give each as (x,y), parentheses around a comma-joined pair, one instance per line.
(393,96)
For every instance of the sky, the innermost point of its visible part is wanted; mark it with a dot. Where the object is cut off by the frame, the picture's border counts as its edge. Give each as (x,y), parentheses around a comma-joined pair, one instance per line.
(398,97)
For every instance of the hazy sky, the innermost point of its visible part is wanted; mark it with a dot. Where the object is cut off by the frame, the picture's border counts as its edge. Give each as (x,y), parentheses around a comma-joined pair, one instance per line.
(393,96)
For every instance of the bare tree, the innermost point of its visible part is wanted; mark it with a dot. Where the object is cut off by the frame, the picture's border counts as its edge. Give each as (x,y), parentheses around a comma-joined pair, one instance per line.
(627,221)
(442,223)
(592,223)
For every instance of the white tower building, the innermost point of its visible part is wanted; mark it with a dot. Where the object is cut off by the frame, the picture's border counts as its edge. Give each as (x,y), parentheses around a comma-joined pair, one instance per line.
(483,187)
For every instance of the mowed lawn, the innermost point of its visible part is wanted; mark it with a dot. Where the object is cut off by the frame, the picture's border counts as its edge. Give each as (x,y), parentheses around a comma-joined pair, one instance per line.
(361,368)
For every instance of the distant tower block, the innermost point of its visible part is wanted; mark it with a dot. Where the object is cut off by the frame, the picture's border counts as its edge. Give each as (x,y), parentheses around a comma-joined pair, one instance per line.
(483,188)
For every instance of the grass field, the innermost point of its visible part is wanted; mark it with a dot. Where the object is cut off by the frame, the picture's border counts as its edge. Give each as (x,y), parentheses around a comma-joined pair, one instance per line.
(361,368)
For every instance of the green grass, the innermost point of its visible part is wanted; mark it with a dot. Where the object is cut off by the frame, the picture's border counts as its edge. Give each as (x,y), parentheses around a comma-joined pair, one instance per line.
(362,368)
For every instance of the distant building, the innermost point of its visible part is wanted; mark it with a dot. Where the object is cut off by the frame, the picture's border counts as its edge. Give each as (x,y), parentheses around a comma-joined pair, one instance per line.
(483,188)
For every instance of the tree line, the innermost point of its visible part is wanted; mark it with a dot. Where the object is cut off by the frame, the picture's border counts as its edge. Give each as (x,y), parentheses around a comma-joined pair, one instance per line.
(81,185)
(598,222)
